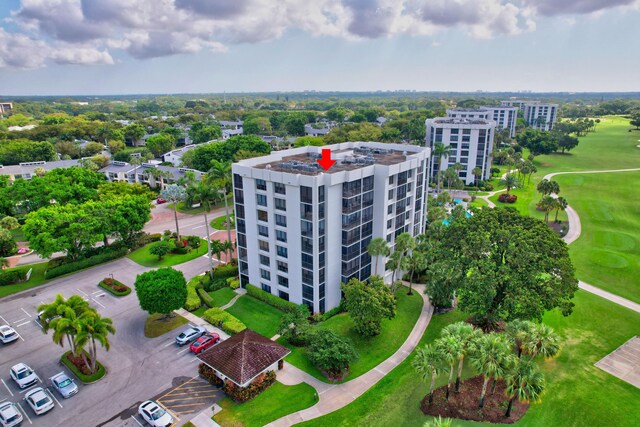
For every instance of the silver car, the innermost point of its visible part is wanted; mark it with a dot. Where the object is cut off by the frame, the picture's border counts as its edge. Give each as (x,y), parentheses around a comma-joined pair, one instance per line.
(190,334)
(8,334)
(10,416)
(64,385)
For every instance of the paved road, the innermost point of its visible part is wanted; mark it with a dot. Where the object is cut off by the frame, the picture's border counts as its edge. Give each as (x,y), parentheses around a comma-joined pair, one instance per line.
(139,368)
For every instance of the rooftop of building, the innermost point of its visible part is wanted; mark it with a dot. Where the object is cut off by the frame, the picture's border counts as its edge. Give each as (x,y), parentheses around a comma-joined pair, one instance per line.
(349,156)
(467,110)
(30,167)
(460,121)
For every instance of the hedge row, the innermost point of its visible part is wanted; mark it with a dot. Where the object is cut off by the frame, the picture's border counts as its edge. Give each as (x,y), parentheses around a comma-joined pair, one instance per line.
(216,284)
(223,320)
(85,263)
(206,298)
(193,300)
(225,270)
(12,276)
(271,299)
(243,394)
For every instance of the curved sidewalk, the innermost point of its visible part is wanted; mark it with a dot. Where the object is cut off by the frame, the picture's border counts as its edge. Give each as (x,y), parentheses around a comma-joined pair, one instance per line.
(575,229)
(336,396)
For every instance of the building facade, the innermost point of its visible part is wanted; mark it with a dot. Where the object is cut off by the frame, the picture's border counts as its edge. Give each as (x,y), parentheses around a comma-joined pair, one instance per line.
(153,175)
(504,116)
(302,231)
(540,116)
(470,141)
(5,107)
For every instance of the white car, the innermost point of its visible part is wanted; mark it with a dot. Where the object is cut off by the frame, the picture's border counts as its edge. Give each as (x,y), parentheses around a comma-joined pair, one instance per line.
(155,415)
(23,375)
(8,334)
(10,416)
(39,400)
(65,385)
(190,334)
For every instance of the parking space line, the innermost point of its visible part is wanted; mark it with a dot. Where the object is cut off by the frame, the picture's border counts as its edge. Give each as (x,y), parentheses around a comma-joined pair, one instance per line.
(23,323)
(183,350)
(98,302)
(54,398)
(168,344)
(7,387)
(186,399)
(24,412)
(5,320)
(101,294)
(20,335)
(19,320)
(25,311)
(82,292)
(170,411)
(180,386)
(38,323)
(96,292)
(192,325)
(138,422)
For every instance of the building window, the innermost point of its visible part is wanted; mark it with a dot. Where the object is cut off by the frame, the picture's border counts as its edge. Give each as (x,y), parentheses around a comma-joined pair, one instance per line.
(306,212)
(391,178)
(282,251)
(281,220)
(281,204)
(264,246)
(263,216)
(307,292)
(307,277)
(389,209)
(266,287)
(307,261)
(283,281)
(261,184)
(284,295)
(266,275)
(261,199)
(237,181)
(282,266)
(263,230)
(321,194)
(281,236)
(279,188)
(239,211)
(306,194)
(264,260)
(367,183)
(307,245)
(306,228)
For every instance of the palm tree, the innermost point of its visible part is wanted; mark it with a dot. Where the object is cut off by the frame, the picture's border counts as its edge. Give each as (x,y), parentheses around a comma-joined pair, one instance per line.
(427,364)
(490,359)
(92,328)
(561,205)
(216,248)
(542,340)
(467,335)
(377,248)
(451,349)
(204,193)
(440,152)
(228,247)
(404,243)
(393,264)
(220,173)
(525,382)
(510,180)
(174,193)
(547,204)
(412,262)
(63,314)
(477,172)
(519,331)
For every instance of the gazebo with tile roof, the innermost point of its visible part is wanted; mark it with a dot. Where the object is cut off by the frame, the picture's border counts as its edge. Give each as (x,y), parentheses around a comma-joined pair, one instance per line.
(243,357)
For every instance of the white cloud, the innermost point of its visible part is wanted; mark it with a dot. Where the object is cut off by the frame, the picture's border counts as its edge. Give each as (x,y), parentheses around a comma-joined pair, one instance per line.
(86,31)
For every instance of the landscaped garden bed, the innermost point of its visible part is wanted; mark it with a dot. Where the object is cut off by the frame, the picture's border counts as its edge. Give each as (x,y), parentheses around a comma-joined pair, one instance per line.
(148,257)
(114,287)
(220,223)
(464,405)
(80,369)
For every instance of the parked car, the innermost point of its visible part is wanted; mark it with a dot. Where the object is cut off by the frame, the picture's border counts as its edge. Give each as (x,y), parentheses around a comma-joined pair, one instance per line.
(204,342)
(39,400)
(23,375)
(10,416)
(154,414)
(47,320)
(160,201)
(190,334)
(65,385)
(8,334)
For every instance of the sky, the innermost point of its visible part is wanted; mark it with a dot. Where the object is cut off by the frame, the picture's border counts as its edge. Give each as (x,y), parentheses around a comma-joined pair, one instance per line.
(102,47)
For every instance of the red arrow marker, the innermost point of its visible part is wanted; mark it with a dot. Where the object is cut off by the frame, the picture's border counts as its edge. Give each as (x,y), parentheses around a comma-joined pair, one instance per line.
(326,162)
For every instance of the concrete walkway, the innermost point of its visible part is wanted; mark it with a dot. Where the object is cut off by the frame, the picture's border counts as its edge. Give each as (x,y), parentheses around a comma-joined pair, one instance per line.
(238,291)
(575,229)
(199,321)
(335,396)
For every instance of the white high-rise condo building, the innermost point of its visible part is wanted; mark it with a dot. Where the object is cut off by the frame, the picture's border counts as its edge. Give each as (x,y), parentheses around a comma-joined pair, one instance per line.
(302,231)
(505,117)
(540,116)
(470,142)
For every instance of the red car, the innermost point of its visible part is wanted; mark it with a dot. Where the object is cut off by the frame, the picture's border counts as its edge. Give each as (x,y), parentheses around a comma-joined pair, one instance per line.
(160,200)
(204,342)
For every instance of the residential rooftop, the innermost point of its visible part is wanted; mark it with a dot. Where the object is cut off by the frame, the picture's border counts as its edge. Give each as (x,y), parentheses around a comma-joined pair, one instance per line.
(461,121)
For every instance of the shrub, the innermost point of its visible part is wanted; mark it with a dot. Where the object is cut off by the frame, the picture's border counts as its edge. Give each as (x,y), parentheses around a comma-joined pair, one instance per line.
(233,282)
(244,394)
(181,251)
(193,241)
(67,359)
(216,284)
(335,310)
(193,299)
(488,186)
(206,298)
(84,263)
(160,249)
(223,320)
(207,373)
(225,270)
(12,276)
(115,287)
(507,198)
(294,327)
(271,299)
(155,237)
(330,352)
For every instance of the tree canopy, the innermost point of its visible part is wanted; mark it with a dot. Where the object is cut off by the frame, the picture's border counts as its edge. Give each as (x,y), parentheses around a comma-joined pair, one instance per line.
(161,291)
(368,304)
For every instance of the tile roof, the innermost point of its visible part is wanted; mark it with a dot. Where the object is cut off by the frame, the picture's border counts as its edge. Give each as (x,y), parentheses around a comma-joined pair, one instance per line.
(243,356)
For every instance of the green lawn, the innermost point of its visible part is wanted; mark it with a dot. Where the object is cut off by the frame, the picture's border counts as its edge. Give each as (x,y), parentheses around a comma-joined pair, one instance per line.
(157,325)
(219,223)
(143,257)
(578,393)
(200,311)
(372,350)
(275,402)
(37,279)
(607,254)
(258,316)
(195,211)
(222,296)
(478,203)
